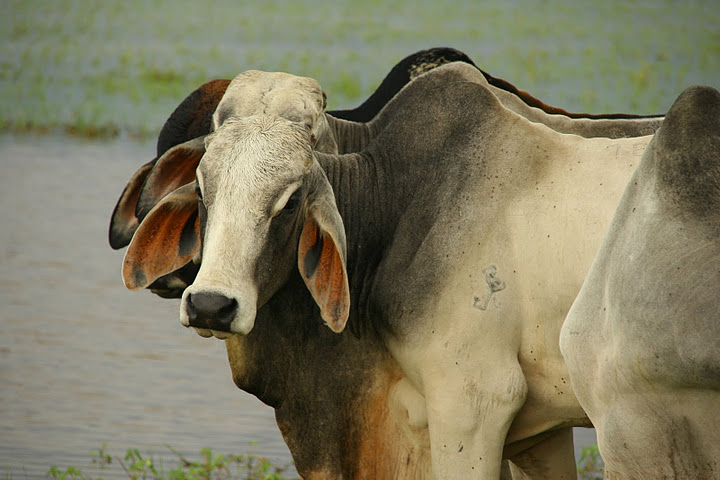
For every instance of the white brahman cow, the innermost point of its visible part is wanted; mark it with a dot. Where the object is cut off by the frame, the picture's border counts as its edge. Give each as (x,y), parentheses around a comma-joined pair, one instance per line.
(455,242)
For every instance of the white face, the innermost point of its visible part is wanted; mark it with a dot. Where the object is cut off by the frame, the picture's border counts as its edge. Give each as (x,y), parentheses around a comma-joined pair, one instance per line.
(251,181)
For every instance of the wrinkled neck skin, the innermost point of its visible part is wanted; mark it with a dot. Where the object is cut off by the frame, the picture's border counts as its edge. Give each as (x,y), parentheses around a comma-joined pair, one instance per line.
(368,196)
(352,136)
(417,158)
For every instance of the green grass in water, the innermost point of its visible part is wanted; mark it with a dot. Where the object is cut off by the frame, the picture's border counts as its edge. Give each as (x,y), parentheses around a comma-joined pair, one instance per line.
(209,466)
(121,66)
(212,466)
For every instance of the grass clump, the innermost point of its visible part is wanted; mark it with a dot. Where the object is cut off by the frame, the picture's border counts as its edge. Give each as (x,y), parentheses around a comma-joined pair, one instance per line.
(590,465)
(212,466)
(209,466)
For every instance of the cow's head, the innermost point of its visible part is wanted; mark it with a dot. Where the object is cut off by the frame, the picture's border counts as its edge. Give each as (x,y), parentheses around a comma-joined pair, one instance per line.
(157,185)
(262,206)
(266,207)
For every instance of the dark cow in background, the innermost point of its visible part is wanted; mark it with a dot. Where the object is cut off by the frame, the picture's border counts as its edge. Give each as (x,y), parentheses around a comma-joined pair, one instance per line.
(642,340)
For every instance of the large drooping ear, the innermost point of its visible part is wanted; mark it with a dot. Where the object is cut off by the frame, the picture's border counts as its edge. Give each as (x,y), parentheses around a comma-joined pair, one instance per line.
(171,171)
(123,221)
(321,260)
(167,239)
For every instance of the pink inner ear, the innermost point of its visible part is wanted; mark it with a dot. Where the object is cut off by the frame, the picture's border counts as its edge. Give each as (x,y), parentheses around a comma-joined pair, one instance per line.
(173,170)
(167,239)
(123,222)
(323,271)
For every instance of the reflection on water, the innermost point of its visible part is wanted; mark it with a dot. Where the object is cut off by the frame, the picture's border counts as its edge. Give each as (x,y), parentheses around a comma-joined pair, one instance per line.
(83,361)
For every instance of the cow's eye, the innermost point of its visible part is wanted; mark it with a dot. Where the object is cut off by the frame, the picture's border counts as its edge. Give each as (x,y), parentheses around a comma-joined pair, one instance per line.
(292,202)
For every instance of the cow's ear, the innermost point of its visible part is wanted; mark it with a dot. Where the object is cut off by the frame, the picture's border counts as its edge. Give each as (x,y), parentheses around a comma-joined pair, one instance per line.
(174,169)
(167,239)
(321,261)
(123,221)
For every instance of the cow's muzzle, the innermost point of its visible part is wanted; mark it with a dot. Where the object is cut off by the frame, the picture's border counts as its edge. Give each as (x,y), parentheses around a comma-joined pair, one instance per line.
(218,313)
(211,311)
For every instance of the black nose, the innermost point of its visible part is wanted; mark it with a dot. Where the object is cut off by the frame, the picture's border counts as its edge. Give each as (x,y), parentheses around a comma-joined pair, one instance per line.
(211,310)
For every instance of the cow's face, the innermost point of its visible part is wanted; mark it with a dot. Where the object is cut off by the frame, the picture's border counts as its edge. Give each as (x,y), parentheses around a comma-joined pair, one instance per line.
(266,207)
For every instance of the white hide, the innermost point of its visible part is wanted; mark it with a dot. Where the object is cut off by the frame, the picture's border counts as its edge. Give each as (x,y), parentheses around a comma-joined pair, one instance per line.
(642,339)
(238,186)
(298,99)
(482,351)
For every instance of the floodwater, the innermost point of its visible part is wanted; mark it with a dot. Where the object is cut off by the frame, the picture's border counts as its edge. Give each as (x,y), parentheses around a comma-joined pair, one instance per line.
(83,361)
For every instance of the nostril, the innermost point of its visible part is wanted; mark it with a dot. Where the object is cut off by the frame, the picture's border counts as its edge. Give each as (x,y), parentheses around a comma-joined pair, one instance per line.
(190,309)
(226,313)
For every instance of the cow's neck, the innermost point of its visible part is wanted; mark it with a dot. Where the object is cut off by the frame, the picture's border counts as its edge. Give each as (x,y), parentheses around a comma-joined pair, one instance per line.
(372,191)
(351,136)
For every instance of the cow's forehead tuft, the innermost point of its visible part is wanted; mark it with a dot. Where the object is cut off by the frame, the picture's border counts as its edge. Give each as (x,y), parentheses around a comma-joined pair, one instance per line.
(299,99)
(257,148)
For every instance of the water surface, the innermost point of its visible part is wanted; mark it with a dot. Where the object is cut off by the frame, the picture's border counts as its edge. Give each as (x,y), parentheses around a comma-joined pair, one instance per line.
(84,361)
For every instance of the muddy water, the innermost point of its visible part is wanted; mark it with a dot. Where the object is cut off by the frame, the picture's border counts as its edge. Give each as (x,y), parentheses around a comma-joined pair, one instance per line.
(82,360)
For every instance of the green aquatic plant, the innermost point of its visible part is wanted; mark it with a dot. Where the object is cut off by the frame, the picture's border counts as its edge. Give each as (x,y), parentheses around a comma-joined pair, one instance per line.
(214,466)
(209,466)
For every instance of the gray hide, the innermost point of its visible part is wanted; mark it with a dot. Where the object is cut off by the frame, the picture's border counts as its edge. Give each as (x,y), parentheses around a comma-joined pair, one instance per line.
(642,340)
